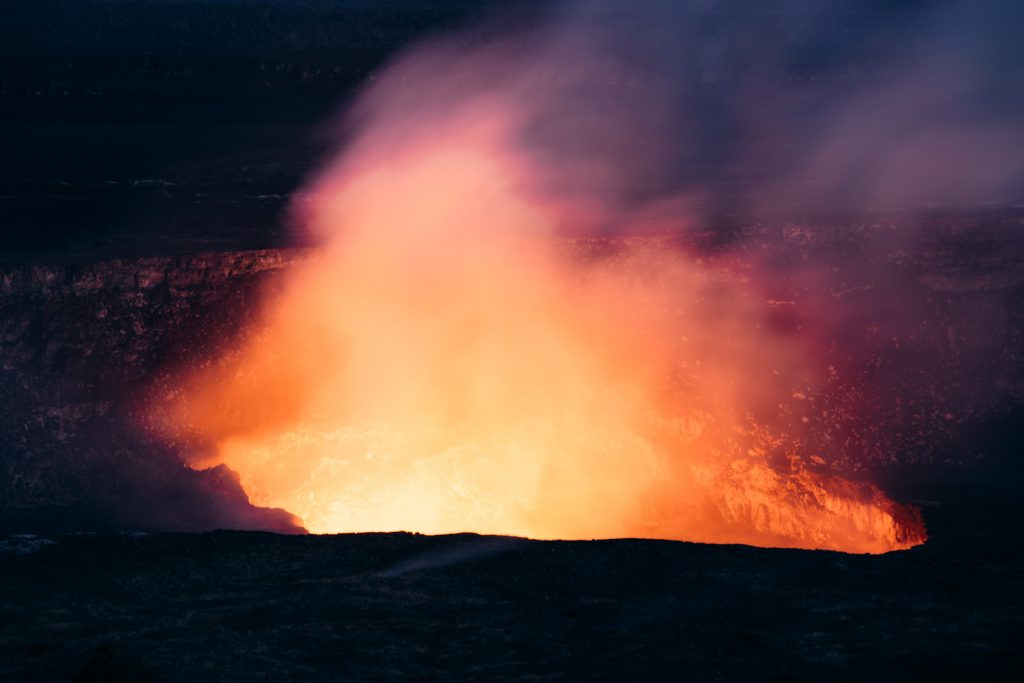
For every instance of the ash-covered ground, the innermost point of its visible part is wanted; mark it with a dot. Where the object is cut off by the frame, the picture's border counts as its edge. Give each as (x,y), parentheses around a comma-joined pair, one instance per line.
(232,606)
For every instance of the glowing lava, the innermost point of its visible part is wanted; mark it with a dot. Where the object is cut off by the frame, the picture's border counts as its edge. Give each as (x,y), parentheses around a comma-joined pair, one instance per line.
(446,363)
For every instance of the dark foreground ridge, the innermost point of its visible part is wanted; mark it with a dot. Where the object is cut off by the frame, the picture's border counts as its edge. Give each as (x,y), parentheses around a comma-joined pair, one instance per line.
(242,606)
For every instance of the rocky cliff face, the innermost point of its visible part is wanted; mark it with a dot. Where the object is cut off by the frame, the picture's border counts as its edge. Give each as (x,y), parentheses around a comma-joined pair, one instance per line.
(920,338)
(79,346)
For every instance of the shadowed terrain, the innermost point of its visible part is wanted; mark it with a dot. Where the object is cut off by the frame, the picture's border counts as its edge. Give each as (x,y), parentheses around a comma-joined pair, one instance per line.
(379,607)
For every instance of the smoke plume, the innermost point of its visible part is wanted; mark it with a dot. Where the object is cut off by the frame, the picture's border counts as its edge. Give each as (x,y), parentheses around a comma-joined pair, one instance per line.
(514,323)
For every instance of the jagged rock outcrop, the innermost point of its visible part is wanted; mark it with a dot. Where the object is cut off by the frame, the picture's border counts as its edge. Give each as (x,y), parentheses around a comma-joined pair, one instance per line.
(917,331)
(79,345)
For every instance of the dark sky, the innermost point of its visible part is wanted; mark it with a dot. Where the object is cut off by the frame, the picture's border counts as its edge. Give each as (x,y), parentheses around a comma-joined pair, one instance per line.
(235,94)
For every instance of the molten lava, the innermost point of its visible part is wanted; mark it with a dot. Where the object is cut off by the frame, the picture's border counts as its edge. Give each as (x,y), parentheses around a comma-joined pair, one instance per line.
(448,363)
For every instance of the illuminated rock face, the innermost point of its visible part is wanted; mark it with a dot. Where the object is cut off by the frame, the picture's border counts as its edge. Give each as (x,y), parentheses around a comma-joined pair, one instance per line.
(80,346)
(85,348)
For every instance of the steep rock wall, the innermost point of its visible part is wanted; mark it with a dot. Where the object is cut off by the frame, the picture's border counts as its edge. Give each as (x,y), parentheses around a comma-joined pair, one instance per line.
(79,345)
(919,330)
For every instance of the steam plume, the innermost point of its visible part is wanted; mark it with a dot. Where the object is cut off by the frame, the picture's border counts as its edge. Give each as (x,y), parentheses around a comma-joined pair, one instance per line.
(446,364)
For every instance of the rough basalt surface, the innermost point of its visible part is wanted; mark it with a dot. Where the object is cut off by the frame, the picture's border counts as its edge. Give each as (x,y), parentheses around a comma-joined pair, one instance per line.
(400,607)
(79,347)
(917,323)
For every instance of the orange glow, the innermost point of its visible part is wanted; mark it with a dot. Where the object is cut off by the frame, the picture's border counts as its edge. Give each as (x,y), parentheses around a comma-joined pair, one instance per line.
(447,363)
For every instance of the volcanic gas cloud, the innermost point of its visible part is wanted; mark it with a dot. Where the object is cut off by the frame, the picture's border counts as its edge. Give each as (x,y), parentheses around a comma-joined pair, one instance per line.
(483,344)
